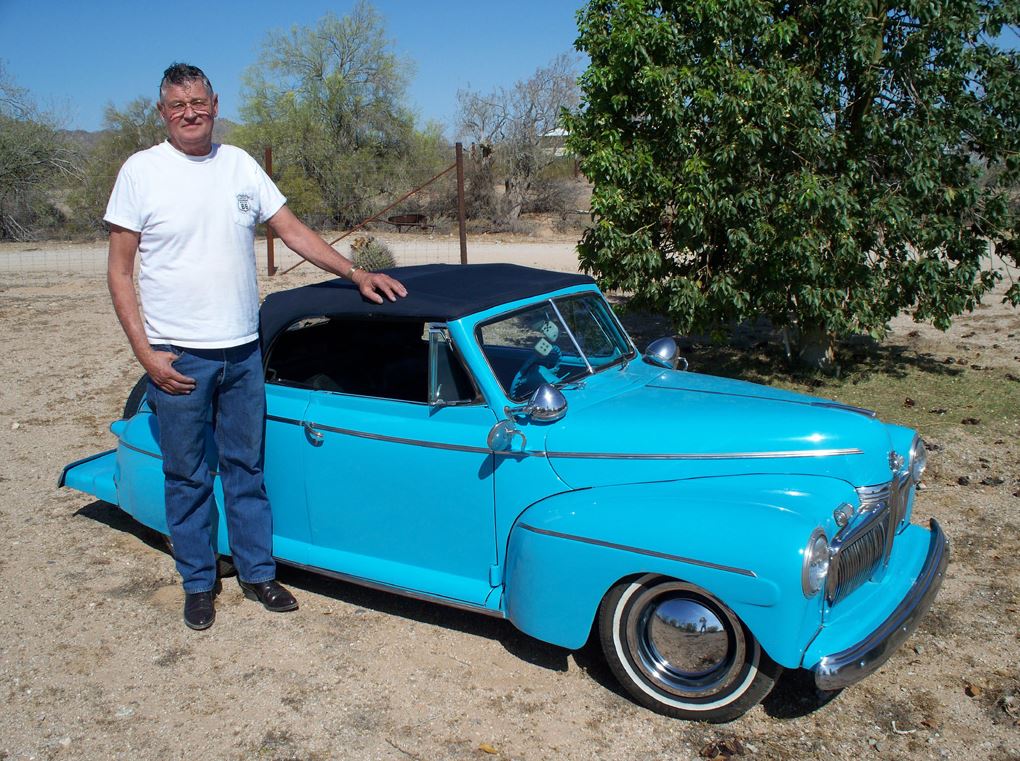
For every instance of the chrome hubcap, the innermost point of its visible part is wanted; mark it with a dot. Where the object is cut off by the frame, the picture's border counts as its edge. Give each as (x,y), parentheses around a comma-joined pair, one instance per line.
(686,643)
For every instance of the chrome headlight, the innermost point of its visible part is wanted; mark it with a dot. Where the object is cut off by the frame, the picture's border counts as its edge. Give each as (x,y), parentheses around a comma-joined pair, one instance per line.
(918,460)
(816,563)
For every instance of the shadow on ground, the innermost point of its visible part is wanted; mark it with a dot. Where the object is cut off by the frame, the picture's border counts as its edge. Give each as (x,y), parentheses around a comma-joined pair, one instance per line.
(794,695)
(514,641)
(755,352)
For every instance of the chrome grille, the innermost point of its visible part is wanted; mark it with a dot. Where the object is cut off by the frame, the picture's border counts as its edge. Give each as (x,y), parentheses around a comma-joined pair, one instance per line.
(861,549)
(856,560)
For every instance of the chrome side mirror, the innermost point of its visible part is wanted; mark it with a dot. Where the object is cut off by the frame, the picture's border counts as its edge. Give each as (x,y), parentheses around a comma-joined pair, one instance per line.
(546,405)
(664,352)
(501,436)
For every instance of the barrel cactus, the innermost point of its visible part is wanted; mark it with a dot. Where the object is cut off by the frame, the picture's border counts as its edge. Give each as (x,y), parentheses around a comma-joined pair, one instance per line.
(372,254)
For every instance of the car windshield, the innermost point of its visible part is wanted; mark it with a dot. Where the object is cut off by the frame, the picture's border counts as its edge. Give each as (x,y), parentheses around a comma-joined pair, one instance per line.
(558,341)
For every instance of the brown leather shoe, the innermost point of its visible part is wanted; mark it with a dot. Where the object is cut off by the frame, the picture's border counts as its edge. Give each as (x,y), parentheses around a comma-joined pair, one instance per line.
(271,594)
(199,612)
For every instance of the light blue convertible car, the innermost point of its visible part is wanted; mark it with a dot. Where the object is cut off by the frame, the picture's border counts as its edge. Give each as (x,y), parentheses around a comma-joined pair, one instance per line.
(496,442)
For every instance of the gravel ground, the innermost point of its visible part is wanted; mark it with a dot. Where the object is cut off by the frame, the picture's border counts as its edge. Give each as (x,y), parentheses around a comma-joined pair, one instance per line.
(96,664)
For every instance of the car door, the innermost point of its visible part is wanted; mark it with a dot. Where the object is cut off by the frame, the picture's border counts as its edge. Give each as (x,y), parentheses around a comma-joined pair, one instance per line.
(284,469)
(400,492)
(400,495)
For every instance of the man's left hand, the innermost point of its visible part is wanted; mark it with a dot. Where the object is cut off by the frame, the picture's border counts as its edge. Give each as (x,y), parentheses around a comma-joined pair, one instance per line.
(375,285)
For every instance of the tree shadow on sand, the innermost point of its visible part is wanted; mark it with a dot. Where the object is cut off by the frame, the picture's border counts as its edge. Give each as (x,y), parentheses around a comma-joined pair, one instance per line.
(754,351)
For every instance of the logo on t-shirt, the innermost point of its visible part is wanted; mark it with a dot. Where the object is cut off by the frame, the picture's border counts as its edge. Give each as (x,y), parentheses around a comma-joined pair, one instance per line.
(244,202)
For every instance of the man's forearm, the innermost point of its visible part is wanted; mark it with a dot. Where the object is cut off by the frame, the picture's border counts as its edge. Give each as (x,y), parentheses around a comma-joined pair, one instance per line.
(374,286)
(120,281)
(307,244)
(125,305)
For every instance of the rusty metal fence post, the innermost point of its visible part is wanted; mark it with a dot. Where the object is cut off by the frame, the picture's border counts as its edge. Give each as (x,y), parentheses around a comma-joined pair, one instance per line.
(270,254)
(460,204)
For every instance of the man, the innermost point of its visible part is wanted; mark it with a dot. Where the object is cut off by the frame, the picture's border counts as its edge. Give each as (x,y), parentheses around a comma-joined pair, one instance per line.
(190,207)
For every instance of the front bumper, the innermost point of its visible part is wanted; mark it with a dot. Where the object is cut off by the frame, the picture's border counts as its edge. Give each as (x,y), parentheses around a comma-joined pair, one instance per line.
(834,672)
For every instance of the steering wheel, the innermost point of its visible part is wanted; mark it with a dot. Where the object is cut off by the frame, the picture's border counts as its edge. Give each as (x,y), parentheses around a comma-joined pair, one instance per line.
(542,363)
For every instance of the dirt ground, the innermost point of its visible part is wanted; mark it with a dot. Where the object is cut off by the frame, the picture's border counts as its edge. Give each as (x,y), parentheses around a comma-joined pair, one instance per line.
(95,662)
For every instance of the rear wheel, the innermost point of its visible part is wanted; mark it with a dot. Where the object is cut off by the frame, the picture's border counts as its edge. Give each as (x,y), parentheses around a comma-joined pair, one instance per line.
(136,397)
(681,652)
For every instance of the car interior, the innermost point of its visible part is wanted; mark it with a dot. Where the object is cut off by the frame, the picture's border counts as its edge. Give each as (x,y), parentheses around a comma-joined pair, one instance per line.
(368,357)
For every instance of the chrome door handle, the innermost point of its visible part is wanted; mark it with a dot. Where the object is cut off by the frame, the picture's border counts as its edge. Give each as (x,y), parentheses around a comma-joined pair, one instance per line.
(316,436)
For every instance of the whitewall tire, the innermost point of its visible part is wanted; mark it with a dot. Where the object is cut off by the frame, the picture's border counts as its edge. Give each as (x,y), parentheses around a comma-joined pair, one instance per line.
(680,651)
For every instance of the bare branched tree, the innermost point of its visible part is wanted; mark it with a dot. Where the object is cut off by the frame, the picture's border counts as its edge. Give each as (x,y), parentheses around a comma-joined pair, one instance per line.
(520,128)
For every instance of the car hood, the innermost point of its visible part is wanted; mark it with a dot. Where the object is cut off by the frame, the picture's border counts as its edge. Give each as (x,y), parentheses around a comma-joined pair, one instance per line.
(686,425)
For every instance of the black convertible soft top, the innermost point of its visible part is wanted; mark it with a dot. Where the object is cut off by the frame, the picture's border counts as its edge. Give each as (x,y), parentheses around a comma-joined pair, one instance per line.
(435,293)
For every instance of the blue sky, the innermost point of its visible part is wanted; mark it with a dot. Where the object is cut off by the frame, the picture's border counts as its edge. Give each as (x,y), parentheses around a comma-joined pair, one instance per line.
(76,56)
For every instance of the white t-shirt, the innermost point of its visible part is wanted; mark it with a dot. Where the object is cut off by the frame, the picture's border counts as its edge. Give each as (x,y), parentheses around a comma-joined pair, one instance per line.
(196,216)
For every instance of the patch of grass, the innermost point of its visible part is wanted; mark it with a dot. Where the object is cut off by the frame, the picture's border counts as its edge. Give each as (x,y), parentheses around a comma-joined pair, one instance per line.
(903,386)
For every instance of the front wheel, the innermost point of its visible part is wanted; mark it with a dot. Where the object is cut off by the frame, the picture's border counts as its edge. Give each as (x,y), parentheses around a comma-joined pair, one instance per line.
(681,652)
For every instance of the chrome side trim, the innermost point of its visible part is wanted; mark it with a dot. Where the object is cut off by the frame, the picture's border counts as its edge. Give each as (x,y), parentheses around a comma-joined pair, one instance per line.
(287,420)
(638,550)
(708,455)
(213,471)
(834,672)
(807,403)
(846,408)
(140,451)
(577,455)
(381,587)
(400,440)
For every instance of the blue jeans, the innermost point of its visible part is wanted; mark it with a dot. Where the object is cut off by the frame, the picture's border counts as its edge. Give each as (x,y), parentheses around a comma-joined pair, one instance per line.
(230,392)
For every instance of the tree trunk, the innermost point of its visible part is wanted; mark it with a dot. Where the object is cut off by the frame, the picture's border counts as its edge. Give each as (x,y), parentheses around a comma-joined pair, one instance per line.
(816,348)
(514,198)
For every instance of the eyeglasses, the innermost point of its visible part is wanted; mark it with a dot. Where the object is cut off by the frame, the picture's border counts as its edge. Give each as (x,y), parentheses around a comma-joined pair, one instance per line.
(177,108)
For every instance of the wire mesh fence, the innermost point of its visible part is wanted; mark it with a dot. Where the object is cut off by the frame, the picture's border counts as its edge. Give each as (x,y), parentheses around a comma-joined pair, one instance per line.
(42,262)
(414,216)
(407,248)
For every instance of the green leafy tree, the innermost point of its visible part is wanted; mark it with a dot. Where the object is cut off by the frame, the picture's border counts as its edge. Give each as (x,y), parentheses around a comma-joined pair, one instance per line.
(826,164)
(126,130)
(35,159)
(330,100)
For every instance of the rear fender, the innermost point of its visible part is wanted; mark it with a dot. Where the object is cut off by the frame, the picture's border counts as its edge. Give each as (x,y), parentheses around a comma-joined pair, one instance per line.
(95,475)
(740,538)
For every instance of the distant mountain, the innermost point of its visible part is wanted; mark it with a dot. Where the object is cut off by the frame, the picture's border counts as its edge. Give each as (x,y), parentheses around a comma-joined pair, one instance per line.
(81,138)
(87,140)
(222,129)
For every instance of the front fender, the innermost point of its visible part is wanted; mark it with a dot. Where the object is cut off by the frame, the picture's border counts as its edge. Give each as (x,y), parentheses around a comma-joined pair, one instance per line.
(741,538)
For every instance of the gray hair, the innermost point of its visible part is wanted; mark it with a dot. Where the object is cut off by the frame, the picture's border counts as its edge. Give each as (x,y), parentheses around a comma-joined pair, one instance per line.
(183,73)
